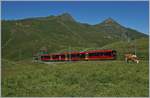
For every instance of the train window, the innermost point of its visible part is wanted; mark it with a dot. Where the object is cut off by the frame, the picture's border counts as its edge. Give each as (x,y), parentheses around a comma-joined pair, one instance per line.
(107,53)
(55,56)
(68,55)
(42,57)
(62,56)
(101,53)
(110,53)
(75,55)
(94,54)
(78,55)
(82,55)
(97,54)
(48,57)
(91,54)
(45,57)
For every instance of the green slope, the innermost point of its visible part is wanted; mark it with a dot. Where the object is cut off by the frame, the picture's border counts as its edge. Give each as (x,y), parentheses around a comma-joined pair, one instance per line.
(20,38)
(122,47)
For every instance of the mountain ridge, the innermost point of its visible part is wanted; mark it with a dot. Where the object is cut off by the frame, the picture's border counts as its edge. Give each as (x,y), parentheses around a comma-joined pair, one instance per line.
(69,17)
(57,33)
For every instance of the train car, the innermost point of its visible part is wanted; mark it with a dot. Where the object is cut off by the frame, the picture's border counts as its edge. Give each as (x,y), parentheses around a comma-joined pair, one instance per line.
(101,55)
(45,57)
(58,57)
(78,56)
(74,56)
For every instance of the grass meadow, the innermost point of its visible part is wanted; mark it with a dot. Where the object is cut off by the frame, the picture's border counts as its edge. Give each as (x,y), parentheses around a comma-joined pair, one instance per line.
(82,78)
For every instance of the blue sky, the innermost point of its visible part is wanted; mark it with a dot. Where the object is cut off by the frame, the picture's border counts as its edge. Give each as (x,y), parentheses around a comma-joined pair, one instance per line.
(133,14)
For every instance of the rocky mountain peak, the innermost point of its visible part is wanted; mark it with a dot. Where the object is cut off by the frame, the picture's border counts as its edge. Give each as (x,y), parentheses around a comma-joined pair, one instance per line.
(66,17)
(109,21)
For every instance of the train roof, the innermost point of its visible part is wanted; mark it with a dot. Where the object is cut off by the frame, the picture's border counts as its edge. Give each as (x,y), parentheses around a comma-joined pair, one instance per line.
(83,52)
(100,50)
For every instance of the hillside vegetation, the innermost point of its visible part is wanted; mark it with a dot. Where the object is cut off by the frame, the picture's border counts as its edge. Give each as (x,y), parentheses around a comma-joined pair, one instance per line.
(140,46)
(22,38)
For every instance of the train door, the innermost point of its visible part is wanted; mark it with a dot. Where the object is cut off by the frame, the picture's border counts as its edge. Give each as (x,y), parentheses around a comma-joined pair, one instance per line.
(86,56)
(82,56)
(66,57)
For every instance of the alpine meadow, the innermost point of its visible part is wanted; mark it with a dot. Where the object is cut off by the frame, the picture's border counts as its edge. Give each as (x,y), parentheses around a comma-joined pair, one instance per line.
(22,77)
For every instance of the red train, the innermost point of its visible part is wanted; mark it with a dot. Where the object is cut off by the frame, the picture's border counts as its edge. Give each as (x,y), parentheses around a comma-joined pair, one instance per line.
(77,56)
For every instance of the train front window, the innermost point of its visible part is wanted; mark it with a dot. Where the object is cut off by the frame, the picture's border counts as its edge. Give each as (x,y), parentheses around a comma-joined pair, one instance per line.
(114,53)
